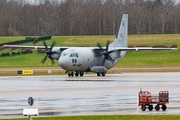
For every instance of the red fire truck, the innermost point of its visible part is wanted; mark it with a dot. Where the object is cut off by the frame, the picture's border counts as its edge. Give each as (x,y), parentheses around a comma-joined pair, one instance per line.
(146,100)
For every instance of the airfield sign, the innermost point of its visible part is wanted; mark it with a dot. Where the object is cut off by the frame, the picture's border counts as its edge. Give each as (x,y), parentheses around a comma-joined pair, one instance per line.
(30,101)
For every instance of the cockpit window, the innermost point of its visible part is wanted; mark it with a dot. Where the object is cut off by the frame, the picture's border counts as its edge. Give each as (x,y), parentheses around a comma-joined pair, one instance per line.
(76,55)
(69,55)
(65,54)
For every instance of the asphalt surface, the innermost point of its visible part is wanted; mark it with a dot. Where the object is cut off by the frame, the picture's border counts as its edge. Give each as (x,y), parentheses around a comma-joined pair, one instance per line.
(114,68)
(59,95)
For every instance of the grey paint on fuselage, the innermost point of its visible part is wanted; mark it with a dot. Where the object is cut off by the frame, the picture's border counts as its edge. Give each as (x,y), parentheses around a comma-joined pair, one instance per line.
(86,58)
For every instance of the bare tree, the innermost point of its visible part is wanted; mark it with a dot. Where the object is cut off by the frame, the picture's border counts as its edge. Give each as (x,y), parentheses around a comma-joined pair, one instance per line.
(87,17)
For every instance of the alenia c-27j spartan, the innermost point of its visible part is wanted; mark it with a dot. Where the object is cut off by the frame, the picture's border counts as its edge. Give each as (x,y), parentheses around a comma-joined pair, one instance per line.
(77,60)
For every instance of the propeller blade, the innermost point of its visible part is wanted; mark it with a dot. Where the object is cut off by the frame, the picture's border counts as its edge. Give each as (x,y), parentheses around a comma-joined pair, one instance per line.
(107,46)
(44,59)
(45,45)
(53,52)
(104,59)
(105,52)
(48,52)
(52,61)
(52,45)
(110,57)
(99,45)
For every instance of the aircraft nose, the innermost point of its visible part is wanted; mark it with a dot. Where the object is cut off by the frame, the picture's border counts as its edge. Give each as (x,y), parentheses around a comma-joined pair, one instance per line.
(64,63)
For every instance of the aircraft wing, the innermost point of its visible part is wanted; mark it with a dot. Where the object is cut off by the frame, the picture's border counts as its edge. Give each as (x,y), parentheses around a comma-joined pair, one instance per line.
(31,47)
(113,48)
(95,48)
(28,47)
(132,49)
(143,48)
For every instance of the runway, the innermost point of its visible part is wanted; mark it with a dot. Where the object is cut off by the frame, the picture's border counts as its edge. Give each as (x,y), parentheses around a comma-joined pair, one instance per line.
(59,95)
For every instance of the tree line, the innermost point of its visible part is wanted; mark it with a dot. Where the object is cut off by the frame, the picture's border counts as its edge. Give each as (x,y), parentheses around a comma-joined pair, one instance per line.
(87,17)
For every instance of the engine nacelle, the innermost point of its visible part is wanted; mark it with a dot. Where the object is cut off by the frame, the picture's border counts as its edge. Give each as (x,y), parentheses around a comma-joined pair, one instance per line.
(57,53)
(55,56)
(114,55)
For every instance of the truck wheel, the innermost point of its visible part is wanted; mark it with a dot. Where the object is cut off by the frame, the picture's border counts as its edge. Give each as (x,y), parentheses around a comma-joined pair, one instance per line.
(157,107)
(150,107)
(164,107)
(143,107)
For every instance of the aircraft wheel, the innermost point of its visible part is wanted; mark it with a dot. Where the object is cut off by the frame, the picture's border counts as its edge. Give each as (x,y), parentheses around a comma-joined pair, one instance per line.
(72,74)
(98,74)
(164,107)
(77,73)
(103,74)
(81,73)
(69,74)
(150,107)
(143,107)
(157,107)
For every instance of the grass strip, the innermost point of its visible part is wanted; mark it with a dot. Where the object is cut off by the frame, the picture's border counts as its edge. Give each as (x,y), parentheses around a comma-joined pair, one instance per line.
(109,117)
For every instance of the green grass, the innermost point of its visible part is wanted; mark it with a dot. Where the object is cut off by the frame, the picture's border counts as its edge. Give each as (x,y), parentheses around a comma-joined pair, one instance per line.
(110,117)
(160,39)
(151,58)
(4,39)
(25,61)
(132,59)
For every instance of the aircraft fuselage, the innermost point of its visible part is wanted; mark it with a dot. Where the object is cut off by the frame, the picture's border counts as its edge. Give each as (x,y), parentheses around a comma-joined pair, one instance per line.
(83,58)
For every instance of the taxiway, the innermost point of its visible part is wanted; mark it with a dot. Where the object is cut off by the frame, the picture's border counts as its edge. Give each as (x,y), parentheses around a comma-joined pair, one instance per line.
(60,95)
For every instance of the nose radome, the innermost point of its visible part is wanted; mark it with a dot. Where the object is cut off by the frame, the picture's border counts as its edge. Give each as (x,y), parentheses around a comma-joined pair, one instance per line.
(64,63)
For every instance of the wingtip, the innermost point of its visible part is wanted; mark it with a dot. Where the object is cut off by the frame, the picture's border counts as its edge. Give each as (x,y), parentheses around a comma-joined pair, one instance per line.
(174,49)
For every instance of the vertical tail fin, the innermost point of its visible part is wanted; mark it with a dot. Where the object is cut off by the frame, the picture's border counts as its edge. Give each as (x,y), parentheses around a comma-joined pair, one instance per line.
(122,35)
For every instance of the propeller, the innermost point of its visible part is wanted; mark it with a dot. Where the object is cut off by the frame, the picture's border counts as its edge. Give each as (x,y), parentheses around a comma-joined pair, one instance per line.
(105,51)
(49,52)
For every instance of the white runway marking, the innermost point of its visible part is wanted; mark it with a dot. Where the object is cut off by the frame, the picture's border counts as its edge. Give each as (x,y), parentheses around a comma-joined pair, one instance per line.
(88,95)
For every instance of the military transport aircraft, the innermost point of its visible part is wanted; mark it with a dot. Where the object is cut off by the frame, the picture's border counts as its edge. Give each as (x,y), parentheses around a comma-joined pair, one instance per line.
(77,60)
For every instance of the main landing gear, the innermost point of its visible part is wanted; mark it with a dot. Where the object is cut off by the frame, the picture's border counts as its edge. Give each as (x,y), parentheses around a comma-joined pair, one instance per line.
(76,73)
(99,74)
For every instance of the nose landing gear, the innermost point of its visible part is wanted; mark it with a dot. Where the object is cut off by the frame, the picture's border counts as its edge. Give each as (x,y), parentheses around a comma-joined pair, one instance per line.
(76,73)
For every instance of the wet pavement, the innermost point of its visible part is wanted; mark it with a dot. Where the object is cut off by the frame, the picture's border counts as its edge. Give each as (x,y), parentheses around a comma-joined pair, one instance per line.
(59,95)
